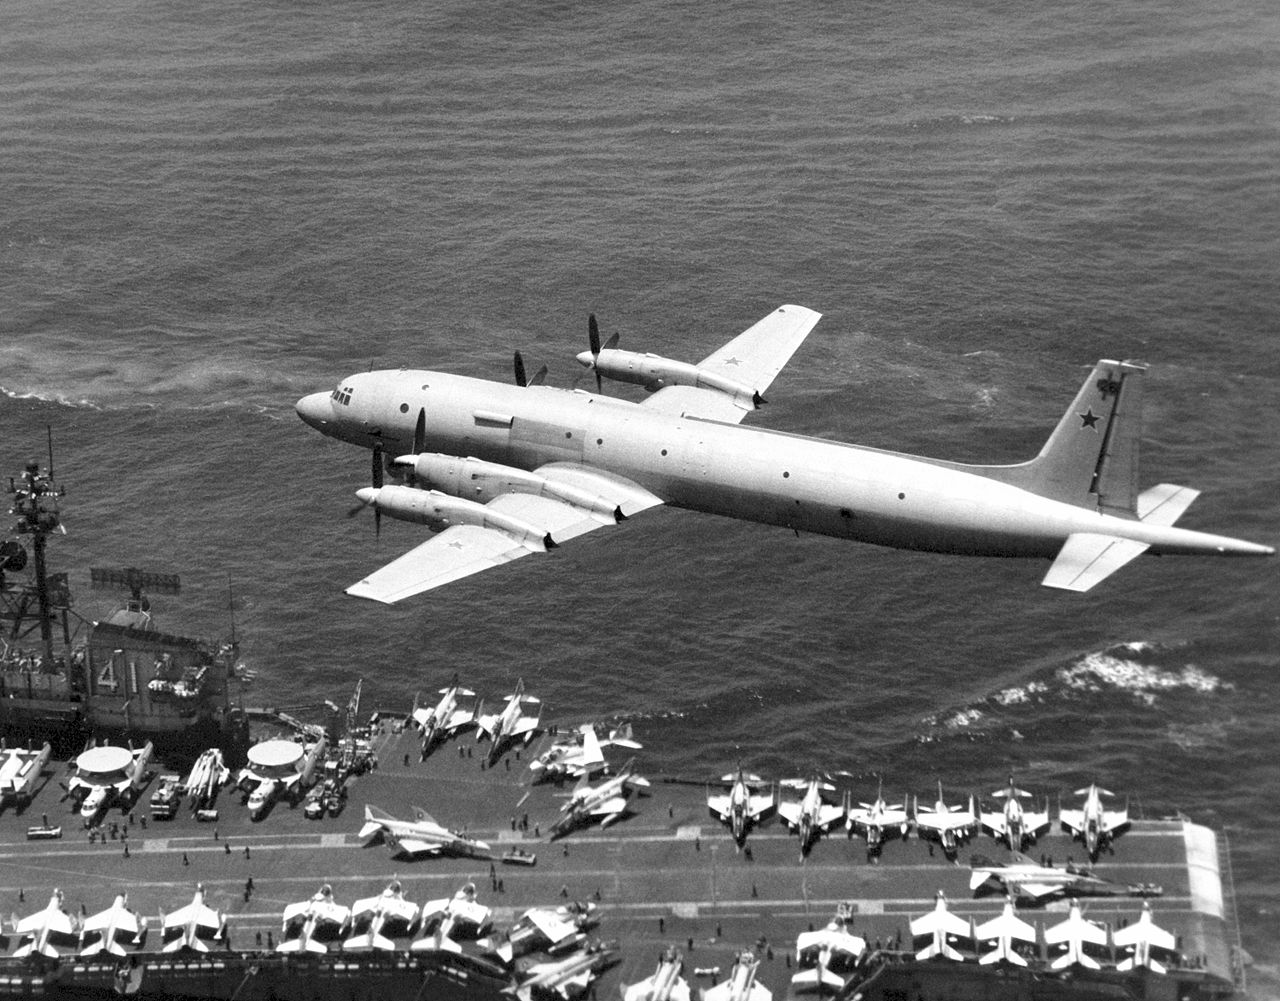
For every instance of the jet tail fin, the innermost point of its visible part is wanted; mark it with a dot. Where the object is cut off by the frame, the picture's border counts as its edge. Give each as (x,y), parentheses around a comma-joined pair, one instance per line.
(1091,459)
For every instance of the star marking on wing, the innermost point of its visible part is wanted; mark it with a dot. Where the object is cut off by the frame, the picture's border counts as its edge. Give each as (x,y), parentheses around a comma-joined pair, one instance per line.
(1089,419)
(455,545)
(733,361)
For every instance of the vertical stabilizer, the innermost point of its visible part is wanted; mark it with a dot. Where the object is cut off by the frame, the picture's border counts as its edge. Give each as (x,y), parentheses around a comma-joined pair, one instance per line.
(1091,459)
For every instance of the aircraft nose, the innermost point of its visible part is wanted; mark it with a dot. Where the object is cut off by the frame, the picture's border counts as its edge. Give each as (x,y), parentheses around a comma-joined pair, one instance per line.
(316,410)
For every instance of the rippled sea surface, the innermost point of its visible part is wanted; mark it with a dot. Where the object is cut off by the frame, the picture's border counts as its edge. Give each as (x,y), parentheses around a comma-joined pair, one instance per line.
(211,210)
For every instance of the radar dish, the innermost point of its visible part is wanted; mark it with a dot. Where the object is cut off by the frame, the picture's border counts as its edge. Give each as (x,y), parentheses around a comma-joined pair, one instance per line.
(133,579)
(275,754)
(104,760)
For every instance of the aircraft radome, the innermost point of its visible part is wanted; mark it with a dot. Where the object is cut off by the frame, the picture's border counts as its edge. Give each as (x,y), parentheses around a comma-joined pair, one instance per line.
(501,471)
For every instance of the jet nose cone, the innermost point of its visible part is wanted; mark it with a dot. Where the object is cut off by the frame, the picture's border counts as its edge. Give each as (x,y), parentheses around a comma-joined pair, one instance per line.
(315,410)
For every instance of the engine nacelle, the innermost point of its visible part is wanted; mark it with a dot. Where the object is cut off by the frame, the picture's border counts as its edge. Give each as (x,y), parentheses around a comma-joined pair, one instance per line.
(654,371)
(439,511)
(481,481)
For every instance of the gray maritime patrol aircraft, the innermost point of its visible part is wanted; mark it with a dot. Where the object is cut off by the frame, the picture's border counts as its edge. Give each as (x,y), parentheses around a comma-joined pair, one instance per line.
(501,471)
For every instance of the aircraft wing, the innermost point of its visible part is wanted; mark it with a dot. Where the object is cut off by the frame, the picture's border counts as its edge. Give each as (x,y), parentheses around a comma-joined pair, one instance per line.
(944,821)
(948,923)
(550,925)
(205,917)
(610,807)
(1137,932)
(995,823)
(719,805)
(752,359)
(59,922)
(416,846)
(828,814)
(1037,890)
(790,812)
(102,921)
(462,550)
(1073,820)
(1005,924)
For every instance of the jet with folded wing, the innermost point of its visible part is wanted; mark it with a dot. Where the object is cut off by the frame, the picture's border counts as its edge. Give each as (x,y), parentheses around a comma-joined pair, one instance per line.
(1013,824)
(877,821)
(378,921)
(1023,877)
(742,805)
(43,932)
(109,930)
(192,927)
(546,929)
(518,720)
(1138,939)
(741,984)
(312,925)
(569,977)
(451,918)
(504,471)
(941,928)
(606,802)
(665,984)
(811,816)
(825,955)
(948,825)
(422,836)
(582,753)
(446,717)
(1073,935)
(1003,931)
(1093,824)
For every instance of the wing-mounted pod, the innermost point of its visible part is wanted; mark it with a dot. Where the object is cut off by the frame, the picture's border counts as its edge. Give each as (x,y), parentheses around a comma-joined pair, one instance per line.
(480,481)
(654,372)
(439,511)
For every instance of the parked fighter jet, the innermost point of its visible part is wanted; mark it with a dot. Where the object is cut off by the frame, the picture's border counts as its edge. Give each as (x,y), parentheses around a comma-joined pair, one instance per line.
(450,918)
(309,924)
(743,805)
(512,723)
(665,984)
(741,984)
(811,816)
(1139,938)
(20,770)
(568,977)
(378,920)
(1002,931)
(1093,825)
(607,801)
(545,465)
(1012,824)
(421,836)
(545,929)
(940,926)
(192,927)
(1073,935)
(446,718)
(1024,877)
(108,930)
(46,930)
(949,825)
(877,821)
(826,953)
(579,755)
(209,774)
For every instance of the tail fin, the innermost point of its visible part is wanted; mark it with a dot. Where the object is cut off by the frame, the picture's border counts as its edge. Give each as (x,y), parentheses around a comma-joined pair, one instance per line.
(1091,459)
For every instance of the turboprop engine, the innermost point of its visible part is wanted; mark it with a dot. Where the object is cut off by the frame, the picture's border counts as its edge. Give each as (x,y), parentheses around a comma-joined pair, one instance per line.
(654,371)
(480,481)
(439,511)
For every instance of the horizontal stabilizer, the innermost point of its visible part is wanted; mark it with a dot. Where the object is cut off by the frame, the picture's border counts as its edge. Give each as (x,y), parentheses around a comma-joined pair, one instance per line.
(1088,558)
(818,975)
(1164,503)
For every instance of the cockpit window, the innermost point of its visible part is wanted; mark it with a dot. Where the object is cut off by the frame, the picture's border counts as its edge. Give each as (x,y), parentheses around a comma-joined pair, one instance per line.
(342,395)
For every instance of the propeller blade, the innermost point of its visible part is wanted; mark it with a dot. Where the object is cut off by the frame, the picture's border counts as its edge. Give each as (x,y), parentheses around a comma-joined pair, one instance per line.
(377,465)
(521,380)
(593,334)
(420,433)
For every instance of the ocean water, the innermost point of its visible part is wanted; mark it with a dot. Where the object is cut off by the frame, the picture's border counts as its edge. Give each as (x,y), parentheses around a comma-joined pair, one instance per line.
(210,211)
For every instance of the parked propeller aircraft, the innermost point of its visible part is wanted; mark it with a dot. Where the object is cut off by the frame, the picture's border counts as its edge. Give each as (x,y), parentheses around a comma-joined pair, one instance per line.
(877,821)
(446,717)
(569,977)
(1003,931)
(579,755)
(1092,824)
(192,927)
(20,770)
(742,806)
(741,984)
(503,471)
(939,926)
(949,825)
(106,775)
(1139,938)
(1073,935)
(46,930)
(514,722)
(108,930)
(811,816)
(665,984)
(607,801)
(1012,824)
(825,953)
(309,924)
(421,836)
(378,920)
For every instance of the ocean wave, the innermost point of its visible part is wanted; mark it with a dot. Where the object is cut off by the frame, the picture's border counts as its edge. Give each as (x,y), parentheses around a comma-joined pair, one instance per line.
(1099,672)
